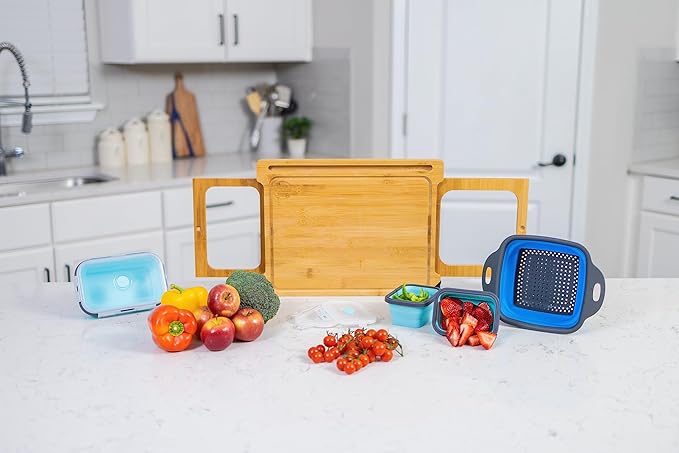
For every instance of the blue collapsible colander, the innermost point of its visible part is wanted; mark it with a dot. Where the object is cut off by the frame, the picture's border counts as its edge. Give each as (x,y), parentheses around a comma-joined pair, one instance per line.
(544,283)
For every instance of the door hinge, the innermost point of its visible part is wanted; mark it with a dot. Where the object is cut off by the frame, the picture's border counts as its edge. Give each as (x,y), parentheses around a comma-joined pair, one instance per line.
(404,124)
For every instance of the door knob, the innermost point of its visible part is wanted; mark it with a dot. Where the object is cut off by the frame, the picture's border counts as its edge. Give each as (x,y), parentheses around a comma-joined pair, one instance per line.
(559,160)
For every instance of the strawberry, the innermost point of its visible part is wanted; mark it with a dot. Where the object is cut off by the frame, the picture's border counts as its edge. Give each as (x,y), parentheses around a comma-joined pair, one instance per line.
(486,307)
(451,307)
(470,320)
(473,340)
(482,326)
(466,331)
(481,314)
(453,332)
(486,339)
(444,323)
(467,308)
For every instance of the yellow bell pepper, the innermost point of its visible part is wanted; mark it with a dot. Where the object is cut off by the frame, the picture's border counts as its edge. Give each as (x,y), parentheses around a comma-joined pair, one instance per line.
(189,299)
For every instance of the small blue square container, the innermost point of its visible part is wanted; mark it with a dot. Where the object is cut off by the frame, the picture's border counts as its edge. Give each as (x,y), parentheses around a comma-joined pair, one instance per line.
(465,295)
(411,314)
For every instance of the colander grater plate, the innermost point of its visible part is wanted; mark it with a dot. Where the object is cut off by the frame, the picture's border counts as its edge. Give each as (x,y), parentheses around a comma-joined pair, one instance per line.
(543,283)
(546,281)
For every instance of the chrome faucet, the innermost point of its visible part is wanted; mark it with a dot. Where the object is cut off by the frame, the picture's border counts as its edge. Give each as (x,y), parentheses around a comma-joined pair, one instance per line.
(26,120)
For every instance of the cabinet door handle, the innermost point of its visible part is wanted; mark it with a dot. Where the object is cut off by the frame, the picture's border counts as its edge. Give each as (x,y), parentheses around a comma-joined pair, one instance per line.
(235,29)
(68,272)
(219,205)
(674,198)
(47,275)
(222,38)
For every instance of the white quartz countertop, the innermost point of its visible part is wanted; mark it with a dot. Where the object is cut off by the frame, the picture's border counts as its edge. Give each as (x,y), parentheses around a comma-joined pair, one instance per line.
(667,168)
(71,383)
(177,173)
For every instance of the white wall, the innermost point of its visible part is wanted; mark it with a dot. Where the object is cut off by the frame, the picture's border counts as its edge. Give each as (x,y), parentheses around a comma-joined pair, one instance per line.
(364,28)
(626,28)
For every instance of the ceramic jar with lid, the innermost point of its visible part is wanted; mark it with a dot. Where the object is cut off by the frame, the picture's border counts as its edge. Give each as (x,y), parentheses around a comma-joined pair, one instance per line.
(136,142)
(111,149)
(160,138)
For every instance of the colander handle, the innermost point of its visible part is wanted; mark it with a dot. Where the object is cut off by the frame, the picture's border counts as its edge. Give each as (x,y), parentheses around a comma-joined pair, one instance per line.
(492,263)
(594,277)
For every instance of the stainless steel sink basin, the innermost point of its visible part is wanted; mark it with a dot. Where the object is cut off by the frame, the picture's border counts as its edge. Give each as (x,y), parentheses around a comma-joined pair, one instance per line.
(21,188)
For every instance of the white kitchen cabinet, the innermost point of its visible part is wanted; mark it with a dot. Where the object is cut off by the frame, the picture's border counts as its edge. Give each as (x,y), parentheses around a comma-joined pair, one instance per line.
(268,30)
(23,269)
(658,245)
(67,256)
(179,31)
(233,245)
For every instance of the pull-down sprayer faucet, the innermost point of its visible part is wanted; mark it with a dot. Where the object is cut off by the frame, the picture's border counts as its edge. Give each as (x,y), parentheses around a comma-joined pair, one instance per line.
(26,120)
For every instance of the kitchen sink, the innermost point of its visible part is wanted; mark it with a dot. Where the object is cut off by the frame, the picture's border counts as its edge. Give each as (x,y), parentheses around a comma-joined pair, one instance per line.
(18,189)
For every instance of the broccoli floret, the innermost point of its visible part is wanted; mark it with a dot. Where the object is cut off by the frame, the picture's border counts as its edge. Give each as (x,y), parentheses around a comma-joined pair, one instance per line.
(255,292)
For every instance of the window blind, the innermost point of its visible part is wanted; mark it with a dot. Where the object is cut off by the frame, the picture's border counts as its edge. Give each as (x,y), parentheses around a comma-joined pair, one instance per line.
(51,36)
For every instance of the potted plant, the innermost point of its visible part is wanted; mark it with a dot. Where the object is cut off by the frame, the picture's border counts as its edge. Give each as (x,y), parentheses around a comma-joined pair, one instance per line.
(296,131)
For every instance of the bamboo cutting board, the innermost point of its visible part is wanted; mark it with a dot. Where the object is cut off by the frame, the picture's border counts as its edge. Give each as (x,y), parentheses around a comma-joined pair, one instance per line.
(187,136)
(346,227)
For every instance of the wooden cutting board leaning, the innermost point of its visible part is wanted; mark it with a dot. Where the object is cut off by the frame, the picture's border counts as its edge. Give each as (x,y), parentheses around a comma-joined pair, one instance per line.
(341,227)
(187,136)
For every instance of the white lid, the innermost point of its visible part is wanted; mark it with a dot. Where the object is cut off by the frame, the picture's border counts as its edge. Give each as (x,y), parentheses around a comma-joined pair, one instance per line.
(134,123)
(110,134)
(157,115)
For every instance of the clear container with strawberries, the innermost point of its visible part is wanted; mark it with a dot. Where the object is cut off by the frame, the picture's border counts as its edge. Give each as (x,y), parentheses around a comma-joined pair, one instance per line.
(466,317)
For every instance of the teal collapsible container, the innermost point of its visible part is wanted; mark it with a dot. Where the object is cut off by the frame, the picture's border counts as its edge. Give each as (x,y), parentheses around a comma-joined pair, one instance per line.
(411,314)
(119,284)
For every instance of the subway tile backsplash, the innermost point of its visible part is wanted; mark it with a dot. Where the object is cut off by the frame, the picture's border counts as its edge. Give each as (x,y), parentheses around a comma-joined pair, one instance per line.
(135,90)
(657,113)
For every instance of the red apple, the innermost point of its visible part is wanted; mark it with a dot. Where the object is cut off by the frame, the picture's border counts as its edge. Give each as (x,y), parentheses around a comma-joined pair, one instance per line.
(249,324)
(217,333)
(223,300)
(202,315)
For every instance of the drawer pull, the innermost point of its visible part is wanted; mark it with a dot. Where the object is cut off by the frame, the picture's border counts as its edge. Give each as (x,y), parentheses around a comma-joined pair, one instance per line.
(674,198)
(68,272)
(219,205)
(47,274)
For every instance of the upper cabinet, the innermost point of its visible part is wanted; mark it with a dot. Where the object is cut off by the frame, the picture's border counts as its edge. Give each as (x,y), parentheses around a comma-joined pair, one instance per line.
(202,31)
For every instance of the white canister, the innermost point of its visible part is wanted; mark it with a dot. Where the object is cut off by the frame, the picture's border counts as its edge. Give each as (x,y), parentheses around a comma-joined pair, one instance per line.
(270,142)
(111,149)
(136,142)
(160,138)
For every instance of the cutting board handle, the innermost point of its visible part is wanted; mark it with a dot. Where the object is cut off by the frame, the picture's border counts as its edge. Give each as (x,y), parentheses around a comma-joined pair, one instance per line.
(517,186)
(200,188)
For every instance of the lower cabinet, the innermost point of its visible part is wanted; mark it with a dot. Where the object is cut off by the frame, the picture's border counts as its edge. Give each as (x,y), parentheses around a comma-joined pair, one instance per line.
(658,245)
(21,270)
(67,256)
(231,245)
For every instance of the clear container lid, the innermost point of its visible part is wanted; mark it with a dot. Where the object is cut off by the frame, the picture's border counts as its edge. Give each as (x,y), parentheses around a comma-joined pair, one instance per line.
(120,284)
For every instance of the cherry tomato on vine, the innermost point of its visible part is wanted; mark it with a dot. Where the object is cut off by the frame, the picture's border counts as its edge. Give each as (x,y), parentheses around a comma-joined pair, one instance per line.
(346,338)
(330,341)
(365,360)
(379,348)
(371,333)
(387,356)
(311,351)
(349,368)
(367,342)
(341,363)
(328,356)
(382,335)
(371,355)
(357,363)
(317,357)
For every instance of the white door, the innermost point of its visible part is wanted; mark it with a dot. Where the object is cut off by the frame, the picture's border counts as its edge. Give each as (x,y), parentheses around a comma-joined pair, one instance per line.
(268,30)
(67,256)
(491,88)
(658,245)
(22,270)
(231,245)
(180,30)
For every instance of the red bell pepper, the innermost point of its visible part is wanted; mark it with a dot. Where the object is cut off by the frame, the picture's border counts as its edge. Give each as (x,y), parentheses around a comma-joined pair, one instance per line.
(172,328)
